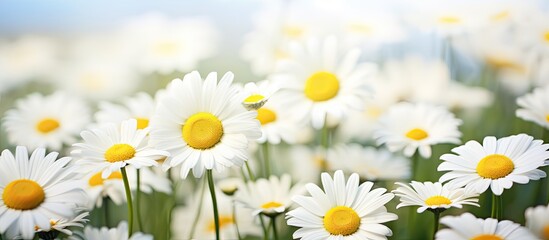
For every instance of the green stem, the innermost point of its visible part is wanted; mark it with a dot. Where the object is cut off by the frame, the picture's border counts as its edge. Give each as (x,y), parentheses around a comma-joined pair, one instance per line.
(199,210)
(497,210)
(500,207)
(273,222)
(236,222)
(265,229)
(437,217)
(138,201)
(106,209)
(324,143)
(214,202)
(250,173)
(265,151)
(129,200)
(415,167)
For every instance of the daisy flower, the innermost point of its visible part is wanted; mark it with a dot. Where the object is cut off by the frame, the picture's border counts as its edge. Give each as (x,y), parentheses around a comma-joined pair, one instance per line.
(268,196)
(277,123)
(301,157)
(140,107)
(203,125)
(369,163)
(256,95)
(118,233)
(111,147)
(534,107)
(317,81)
(36,189)
(58,226)
(342,210)
(433,196)
(497,163)
(537,220)
(417,126)
(466,226)
(46,121)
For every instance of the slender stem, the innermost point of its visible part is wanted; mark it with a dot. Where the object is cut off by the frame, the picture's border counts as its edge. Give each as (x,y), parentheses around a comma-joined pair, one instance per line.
(250,173)
(273,222)
(106,209)
(437,217)
(129,200)
(500,207)
(236,222)
(196,216)
(265,229)
(214,202)
(324,143)
(415,167)
(138,201)
(493,212)
(267,163)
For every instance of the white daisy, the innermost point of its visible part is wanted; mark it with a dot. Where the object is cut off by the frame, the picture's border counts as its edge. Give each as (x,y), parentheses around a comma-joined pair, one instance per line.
(434,196)
(317,81)
(118,233)
(46,121)
(62,225)
(301,157)
(277,123)
(36,189)
(203,125)
(497,163)
(111,147)
(534,107)
(369,163)
(466,227)
(140,107)
(256,95)
(342,210)
(537,220)
(268,196)
(417,126)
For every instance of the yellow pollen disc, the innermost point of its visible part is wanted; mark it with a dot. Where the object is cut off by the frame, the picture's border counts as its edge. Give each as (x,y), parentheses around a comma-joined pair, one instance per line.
(449,20)
(437,200)
(547,117)
(202,130)
(495,166)
(166,48)
(254,98)
(142,123)
(23,194)
(119,152)
(97,180)
(321,86)
(546,36)
(505,63)
(545,232)
(487,237)
(417,134)
(265,115)
(293,31)
(500,16)
(47,125)
(224,220)
(341,220)
(271,205)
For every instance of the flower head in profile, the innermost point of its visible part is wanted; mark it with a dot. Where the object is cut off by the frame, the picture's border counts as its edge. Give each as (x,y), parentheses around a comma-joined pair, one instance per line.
(139,107)
(537,220)
(534,107)
(417,127)
(497,163)
(343,210)
(46,121)
(467,227)
(62,225)
(113,146)
(203,124)
(318,81)
(35,190)
(256,95)
(118,233)
(434,196)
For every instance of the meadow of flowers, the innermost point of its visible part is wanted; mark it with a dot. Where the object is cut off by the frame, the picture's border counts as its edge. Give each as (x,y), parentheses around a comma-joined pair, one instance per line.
(340,120)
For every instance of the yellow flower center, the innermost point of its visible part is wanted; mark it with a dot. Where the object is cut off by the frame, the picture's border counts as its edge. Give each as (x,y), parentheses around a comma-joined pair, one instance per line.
(545,232)
(505,63)
(449,20)
(254,98)
(500,16)
(417,134)
(142,123)
(265,115)
(23,194)
(166,48)
(437,200)
(202,130)
(97,180)
(547,117)
(271,205)
(321,86)
(47,125)
(495,166)
(360,28)
(293,32)
(224,220)
(546,36)
(119,152)
(341,220)
(487,237)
